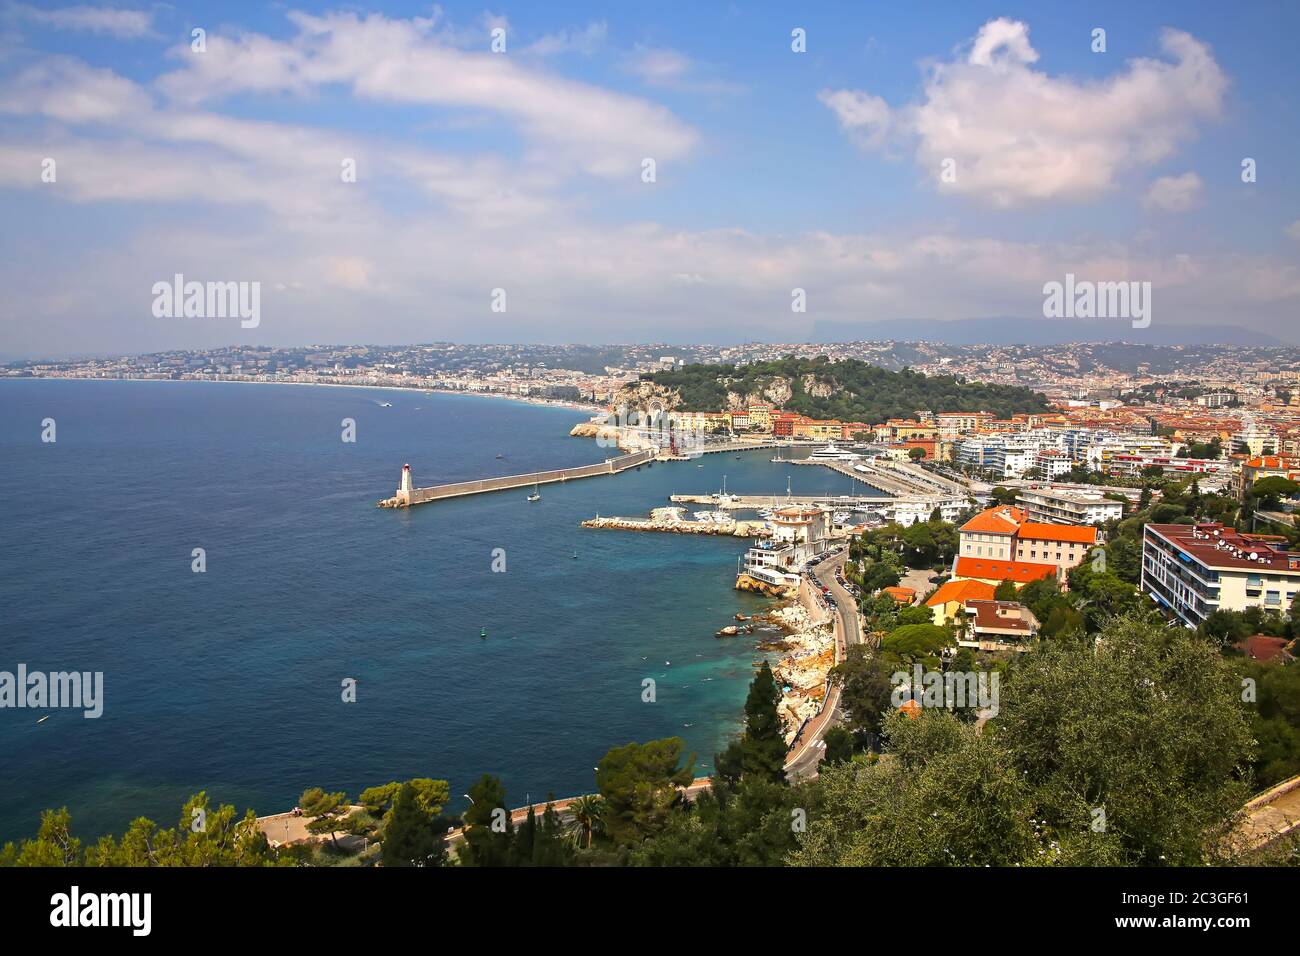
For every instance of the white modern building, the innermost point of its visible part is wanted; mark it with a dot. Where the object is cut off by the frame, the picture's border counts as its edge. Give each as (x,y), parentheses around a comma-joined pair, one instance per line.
(1194,570)
(1066,506)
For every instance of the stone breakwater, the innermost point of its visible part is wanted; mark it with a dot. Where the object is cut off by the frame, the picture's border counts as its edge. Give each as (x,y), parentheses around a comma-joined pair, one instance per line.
(596,430)
(733,529)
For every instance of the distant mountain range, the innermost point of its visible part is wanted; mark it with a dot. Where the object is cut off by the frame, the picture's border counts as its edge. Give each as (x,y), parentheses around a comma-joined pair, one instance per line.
(1017,331)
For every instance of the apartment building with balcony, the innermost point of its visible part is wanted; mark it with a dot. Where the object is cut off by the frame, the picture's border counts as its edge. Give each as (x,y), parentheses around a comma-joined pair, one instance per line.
(1194,570)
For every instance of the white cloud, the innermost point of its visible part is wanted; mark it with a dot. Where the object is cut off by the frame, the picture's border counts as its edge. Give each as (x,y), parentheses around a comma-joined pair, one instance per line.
(585,41)
(404,61)
(144,153)
(1174,193)
(673,70)
(67,89)
(108,20)
(658,65)
(1017,134)
(863,116)
(1002,42)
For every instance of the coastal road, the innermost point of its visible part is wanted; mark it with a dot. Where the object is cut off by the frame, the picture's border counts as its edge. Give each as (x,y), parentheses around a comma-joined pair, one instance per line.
(802,761)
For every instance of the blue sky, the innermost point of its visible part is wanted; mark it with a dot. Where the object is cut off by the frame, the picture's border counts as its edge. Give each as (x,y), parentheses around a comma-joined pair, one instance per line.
(522,170)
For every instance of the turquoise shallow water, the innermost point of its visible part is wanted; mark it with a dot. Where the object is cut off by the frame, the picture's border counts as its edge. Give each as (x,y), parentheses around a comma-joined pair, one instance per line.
(229,681)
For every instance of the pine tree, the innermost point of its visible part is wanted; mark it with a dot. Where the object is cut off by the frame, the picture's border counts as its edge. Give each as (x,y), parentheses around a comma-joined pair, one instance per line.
(410,837)
(489,832)
(763,747)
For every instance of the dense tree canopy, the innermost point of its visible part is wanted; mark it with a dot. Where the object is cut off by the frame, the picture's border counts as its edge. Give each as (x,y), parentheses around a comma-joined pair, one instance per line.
(855,390)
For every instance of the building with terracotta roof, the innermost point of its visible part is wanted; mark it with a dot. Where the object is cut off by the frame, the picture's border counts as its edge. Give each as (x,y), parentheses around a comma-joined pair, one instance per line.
(951,597)
(1064,545)
(998,626)
(1266,466)
(1003,533)
(900,594)
(1194,570)
(995,572)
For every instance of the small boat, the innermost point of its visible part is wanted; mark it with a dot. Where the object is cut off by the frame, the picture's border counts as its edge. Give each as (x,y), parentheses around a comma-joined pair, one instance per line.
(482,632)
(501,456)
(43,719)
(575,555)
(536,495)
(385,404)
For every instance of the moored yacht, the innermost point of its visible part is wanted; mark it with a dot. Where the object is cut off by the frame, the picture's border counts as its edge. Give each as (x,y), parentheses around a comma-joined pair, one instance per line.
(831,453)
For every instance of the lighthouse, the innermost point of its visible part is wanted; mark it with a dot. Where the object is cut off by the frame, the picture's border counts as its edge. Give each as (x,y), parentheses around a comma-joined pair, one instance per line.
(404,489)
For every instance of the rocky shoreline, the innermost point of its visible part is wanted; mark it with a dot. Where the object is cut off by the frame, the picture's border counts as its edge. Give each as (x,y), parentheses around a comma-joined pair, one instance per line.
(807,652)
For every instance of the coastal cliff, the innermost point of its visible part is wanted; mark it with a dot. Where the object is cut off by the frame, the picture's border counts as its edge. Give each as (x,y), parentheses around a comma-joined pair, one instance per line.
(746,583)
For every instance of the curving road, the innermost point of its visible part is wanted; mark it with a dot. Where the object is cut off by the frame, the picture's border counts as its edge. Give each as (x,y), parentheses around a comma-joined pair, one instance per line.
(801,764)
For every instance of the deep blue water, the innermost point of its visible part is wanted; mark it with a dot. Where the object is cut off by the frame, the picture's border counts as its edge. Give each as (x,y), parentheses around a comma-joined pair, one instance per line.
(229,681)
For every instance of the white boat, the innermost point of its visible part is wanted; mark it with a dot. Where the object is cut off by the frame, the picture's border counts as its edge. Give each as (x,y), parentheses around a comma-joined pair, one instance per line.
(841,517)
(831,453)
(536,495)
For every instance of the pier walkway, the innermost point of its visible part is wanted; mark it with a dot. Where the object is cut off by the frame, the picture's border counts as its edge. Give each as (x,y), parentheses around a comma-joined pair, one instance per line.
(732,446)
(407,496)
(741,502)
(898,479)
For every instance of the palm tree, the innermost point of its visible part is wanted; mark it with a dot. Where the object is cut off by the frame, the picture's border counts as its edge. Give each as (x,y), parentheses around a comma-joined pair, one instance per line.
(587,812)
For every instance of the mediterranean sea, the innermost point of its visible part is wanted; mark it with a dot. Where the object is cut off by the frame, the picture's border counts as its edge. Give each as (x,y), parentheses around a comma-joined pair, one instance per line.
(229,681)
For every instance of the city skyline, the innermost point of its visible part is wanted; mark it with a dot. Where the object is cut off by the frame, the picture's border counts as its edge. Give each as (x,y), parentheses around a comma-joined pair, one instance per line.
(775,171)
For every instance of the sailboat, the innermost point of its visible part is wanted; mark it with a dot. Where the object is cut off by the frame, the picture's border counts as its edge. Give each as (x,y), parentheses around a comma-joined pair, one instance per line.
(536,495)
(482,632)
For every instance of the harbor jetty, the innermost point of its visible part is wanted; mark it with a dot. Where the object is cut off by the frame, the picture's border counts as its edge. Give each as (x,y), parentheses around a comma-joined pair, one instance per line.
(729,502)
(408,495)
(735,529)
